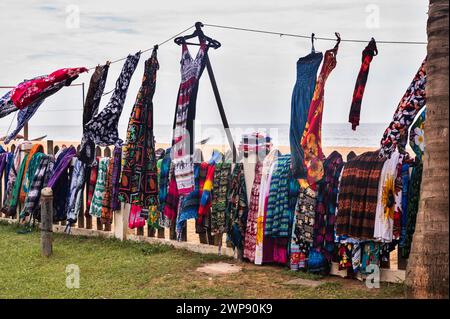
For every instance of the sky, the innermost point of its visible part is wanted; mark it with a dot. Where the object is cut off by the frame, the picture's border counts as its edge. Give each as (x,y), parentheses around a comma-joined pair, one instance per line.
(255,73)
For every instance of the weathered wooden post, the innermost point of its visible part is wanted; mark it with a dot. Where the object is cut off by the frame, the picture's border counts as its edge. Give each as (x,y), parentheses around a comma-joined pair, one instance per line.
(46,221)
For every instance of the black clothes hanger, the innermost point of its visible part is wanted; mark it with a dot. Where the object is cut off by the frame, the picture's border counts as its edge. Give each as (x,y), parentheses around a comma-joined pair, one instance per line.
(313,50)
(211,43)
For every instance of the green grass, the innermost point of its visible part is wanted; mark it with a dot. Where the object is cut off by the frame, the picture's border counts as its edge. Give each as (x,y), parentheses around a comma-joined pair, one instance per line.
(114,269)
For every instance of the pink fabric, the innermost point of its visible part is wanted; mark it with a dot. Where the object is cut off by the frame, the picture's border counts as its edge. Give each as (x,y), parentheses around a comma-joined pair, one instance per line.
(135,220)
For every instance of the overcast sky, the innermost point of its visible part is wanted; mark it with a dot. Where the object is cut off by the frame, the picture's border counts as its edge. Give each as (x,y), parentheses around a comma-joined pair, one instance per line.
(255,72)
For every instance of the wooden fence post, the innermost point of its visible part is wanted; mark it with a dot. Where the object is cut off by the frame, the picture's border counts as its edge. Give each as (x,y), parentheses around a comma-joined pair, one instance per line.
(47,222)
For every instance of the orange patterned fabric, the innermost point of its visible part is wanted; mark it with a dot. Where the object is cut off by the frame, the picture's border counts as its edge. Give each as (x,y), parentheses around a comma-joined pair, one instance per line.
(37,148)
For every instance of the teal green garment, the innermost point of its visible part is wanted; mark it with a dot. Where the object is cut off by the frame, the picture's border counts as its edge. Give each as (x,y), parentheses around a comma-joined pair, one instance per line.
(31,171)
(18,183)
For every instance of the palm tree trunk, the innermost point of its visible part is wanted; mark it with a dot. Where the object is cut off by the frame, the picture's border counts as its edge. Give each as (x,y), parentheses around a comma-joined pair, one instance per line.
(427,271)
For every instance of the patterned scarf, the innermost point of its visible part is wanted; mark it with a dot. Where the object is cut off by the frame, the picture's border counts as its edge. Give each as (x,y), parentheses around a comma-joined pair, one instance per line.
(76,191)
(90,109)
(312,136)
(278,216)
(10,206)
(106,215)
(163,180)
(355,110)
(31,206)
(30,172)
(252,218)
(97,198)
(172,200)
(222,178)
(358,194)
(37,148)
(93,172)
(138,184)
(417,135)
(62,163)
(412,102)
(115,178)
(237,208)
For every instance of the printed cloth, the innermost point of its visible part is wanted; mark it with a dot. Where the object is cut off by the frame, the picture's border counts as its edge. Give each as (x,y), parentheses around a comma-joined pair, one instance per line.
(163,180)
(252,218)
(93,172)
(302,94)
(257,143)
(311,141)
(31,206)
(183,126)
(6,105)
(139,180)
(77,182)
(237,208)
(102,128)
(345,256)
(264,190)
(417,135)
(90,109)
(413,207)
(97,198)
(367,56)
(370,256)
(405,187)
(172,199)
(62,163)
(36,149)
(388,192)
(189,204)
(222,179)
(326,206)
(60,182)
(107,211)
(396,134)
(278,216)
(11,203)
(116,174)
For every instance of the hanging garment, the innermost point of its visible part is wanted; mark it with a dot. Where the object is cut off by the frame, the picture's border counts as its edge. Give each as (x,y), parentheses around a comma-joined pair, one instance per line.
(37,148)
(189,204)
(93,172)
(116,173)
(237,208)
(345,256)
(63,161)
(77,182)
(358,191)
(355,110)
(417,136)
(172,199)
(6,105)
(307,68)
(7,170)
(163,180)
(370,256)
(311,141)
(183,126)
(106,215)
(303,229)
(10,206)
(138,183)
(386,202)
(413,207)
(31,206)
(222,178)
(252,218)
(264,190)
(326,206)
(102,129)
(396,134)
(404,218)
(97,198)
(33,166)
(278,216)
(202,223)
(398,210)
(90,109)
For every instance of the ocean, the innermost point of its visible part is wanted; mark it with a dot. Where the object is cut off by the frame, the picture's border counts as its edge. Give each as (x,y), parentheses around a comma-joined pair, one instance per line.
(333,134)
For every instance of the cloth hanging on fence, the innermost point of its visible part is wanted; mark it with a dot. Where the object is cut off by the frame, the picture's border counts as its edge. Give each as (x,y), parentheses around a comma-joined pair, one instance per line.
(106,214)
(77,183)
(10,206)
(116,173)
(302,94)
(62,163)
(264,190)
(139,184)
(172,199)
(252,218)
(326,206)
(6,105)
(311,141)
(93,172)
(30,171)
(8,166)
(90,109)
(37,148)
(31,206)
(163,180)
(355,110)
(183,125)
(278,215)
(396,134)
(97,198)
(255,143)
(417,135)
(222,178)
(102,129)
(206,190)
(386,202)
(189,204)
(358,191)
(237,208)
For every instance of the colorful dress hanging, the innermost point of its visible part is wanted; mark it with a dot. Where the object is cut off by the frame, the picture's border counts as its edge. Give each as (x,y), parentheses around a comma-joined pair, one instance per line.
(183,126)
(302,94)
(90,109)
(138,183)
(396,134)
(355,110)
(97,198)
(358,191)
(312,136)
(222,177)
(102,129)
